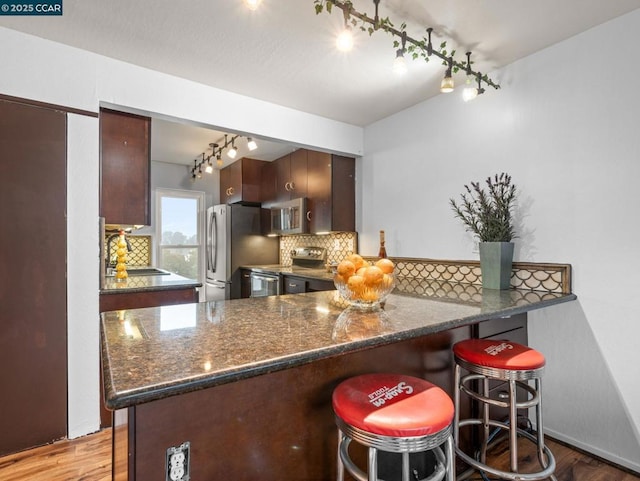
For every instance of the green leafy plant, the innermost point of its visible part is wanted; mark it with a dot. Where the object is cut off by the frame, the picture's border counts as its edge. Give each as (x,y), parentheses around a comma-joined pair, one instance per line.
(488,213)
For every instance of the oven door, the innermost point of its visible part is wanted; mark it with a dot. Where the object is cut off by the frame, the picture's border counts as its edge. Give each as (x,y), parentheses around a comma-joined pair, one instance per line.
(263,285)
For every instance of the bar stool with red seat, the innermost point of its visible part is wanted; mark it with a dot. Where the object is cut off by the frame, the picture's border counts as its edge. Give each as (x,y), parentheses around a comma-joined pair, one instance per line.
(393,413)
(515,364)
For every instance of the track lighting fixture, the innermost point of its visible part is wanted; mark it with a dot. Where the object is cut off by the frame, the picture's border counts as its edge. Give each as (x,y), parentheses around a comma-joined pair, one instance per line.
(344,41)
(217,148)
(418,47)
(447,85)
(470,91)
(252,4)
(209,168)
(400,64)
(232,152)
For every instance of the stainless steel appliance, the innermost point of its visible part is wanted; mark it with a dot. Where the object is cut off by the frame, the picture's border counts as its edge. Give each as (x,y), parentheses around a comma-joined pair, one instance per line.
(234,238)
(312,257)
(290,217)
(264,284)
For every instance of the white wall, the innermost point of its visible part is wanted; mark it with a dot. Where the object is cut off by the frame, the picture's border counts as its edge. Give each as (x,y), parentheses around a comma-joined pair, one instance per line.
(45,71)
(565,126)
(83,251)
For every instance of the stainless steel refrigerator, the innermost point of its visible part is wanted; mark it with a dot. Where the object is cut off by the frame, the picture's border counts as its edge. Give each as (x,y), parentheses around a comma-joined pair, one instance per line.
(235,238)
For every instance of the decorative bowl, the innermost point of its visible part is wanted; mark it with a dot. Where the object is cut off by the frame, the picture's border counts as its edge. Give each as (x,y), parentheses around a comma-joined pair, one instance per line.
(362,294)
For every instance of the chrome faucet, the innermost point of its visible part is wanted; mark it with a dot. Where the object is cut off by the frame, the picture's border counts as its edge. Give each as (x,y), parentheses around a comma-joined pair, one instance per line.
(109,240)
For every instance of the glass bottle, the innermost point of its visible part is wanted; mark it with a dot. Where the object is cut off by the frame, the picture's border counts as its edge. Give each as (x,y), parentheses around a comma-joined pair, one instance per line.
(382,253)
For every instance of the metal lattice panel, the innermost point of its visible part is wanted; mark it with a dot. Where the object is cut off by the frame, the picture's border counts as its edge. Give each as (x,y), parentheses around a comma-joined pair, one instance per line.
(554,278)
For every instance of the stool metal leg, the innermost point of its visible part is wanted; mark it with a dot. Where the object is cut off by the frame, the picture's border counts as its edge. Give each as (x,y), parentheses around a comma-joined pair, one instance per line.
(405,467)
(456,404)
(450,459)
(340,466)
(513,426)
(542,457)
(373,464)
(485,422)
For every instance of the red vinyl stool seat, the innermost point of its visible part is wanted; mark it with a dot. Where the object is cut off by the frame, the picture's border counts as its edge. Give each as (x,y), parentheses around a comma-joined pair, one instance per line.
(505,361)
(393,413)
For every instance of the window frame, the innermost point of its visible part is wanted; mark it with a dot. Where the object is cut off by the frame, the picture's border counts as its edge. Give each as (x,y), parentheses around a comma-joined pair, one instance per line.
(199,196)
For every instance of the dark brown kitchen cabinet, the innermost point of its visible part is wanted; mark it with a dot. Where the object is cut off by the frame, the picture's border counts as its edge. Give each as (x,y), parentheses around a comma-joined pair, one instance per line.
(268,184)
(33,276)
(297,285)
(125,168)
(245,283)
(291,176)
(293,285)
(327,181)
(331,201)
(139,300)
(241,182)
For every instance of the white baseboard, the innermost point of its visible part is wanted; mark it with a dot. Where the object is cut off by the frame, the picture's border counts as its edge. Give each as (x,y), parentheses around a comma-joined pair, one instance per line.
(632,465)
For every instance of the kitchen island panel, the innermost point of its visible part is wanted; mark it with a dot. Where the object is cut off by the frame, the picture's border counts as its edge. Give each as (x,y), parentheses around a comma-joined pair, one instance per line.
(271,426)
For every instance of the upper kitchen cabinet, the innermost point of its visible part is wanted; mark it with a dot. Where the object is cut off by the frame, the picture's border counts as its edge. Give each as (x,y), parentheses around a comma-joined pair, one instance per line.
(291,176)
(125,146)
(241,182)
(331,199)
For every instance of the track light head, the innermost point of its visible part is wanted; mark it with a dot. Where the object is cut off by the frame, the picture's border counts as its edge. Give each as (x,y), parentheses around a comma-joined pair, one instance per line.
(344,41)
(470,91)
(447,85)
(400,64)
(251,144)
(232,152)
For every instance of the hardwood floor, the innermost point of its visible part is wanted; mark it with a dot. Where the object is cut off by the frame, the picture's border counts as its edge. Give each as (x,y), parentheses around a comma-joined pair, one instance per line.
(89,459)
(571,465)
(84,459)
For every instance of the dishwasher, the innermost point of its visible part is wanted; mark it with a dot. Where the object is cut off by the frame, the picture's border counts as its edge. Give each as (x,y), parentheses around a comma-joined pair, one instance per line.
(263,284)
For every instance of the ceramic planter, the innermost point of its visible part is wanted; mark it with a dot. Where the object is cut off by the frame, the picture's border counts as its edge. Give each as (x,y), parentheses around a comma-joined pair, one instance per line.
(496,259)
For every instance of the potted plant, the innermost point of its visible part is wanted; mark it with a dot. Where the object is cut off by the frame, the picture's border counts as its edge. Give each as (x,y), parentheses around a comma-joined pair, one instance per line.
(488,215)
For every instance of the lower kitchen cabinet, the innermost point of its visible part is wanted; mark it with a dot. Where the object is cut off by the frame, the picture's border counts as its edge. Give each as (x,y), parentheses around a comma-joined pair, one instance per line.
(297,285)
(293,285)
(245,283)
(137,300)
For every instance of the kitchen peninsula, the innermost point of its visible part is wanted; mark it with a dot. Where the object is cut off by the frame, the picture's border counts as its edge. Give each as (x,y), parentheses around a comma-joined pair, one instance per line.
(247,383)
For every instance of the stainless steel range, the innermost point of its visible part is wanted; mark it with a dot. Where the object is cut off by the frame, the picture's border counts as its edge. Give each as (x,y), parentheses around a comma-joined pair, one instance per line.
(308,257)
(267,280)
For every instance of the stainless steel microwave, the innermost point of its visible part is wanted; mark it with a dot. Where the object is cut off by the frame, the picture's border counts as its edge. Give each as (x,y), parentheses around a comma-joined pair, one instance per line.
(290,217)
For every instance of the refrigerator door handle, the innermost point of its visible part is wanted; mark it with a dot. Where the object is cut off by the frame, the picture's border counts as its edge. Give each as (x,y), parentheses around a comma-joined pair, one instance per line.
(213,253)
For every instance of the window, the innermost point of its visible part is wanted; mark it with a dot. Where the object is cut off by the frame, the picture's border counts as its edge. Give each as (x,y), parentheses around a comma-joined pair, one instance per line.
(180,232)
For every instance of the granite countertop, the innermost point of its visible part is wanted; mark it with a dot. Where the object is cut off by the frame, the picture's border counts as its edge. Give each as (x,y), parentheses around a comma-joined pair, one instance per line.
(148,283)
(311,273)
(149,354)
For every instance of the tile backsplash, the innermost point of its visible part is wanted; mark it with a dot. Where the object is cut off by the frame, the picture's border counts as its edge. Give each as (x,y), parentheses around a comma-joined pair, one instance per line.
(140,254)
(337,244)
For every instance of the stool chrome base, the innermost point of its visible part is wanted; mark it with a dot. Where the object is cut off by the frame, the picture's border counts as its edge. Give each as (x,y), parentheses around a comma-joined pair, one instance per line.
(444,469)
(513,379)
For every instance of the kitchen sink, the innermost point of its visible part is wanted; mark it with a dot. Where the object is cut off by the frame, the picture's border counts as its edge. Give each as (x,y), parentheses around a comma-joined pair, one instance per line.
(140,271)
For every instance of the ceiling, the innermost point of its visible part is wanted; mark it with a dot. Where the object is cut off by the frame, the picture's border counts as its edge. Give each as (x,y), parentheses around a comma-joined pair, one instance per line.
(284,53)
